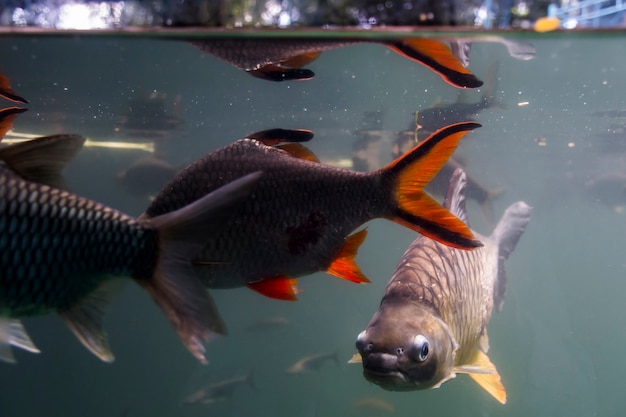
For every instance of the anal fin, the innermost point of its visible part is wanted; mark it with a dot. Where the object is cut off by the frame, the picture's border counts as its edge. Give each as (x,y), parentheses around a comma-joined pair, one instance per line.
(344,266)
(279,288)
(12,333)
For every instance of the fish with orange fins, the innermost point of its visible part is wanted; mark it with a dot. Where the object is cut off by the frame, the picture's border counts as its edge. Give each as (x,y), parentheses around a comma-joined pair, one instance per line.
(283,59)
(432,320)
(299,218)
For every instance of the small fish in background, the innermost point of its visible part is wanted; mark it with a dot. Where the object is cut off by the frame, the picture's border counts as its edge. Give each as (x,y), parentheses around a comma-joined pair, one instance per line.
(432,320)
(147,176)
(371,407)
(608,189)
(267,324)
(66,250)
(275,59)
(434,118)
(299,218)
(313,363)
(219,391)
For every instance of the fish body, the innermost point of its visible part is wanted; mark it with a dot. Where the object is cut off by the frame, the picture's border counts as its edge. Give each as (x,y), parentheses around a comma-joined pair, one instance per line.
(299,217)
(432,320)
(219,391)
(312,363)
(282,59)
(61,252)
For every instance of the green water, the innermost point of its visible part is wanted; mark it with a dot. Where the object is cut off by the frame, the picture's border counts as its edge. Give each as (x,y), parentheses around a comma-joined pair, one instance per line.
(558,343)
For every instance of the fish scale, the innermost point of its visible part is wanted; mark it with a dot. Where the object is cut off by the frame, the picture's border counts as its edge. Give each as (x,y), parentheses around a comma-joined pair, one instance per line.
(51,235)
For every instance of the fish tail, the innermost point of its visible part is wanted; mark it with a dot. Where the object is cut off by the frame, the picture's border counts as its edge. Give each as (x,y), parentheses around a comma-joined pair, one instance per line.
(7,116)
(507,233)
(411,172)
(12,333)
(175,286)
(437,56)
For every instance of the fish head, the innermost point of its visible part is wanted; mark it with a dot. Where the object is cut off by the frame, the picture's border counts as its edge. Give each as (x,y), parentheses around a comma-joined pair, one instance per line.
(405,347)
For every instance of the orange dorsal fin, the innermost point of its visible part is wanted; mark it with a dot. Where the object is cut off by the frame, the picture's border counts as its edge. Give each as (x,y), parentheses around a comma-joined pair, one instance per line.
(485,374)
(301,60)
(412,172)
(437,56)
(279,288)
(298,151)
(344,266)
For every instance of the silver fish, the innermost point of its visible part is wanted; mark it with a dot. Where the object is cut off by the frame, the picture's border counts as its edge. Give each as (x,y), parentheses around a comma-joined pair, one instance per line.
(432,320)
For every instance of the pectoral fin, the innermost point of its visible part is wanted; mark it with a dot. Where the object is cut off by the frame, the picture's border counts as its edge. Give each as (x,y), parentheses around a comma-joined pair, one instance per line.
(356,358)
(485,374)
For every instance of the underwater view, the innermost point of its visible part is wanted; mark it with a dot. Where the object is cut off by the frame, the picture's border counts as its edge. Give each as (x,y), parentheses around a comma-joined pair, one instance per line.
(258,266)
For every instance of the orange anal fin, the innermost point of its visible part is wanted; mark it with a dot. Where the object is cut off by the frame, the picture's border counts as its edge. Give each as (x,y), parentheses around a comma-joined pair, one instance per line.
(7,92)
(272,137)
(301,60)
(298,151)
(279,288)
(7,116)
(344,266)
(275,73)
(437,56)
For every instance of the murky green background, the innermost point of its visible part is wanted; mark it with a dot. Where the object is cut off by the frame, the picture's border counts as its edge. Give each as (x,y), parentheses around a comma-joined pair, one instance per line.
(559,341)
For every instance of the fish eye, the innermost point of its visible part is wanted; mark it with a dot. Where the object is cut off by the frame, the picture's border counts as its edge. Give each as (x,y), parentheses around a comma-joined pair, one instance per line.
(420,348)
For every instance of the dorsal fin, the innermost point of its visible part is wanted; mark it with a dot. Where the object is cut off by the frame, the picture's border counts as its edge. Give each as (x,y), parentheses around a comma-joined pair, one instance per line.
(298,151)
(42,159)
(455,197)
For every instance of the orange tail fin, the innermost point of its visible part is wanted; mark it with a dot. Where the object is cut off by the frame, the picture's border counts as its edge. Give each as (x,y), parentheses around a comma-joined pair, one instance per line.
(437,56)
(7,116)
(412,172)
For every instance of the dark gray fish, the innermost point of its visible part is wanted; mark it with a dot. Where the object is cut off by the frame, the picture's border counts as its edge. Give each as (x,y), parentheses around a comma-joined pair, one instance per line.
(276,59)
(219,391)
(299,219)
(312,363)
(147,176)
(60,252)
(432,320)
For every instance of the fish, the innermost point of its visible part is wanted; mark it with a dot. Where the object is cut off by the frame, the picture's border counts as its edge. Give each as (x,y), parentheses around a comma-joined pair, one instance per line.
(219,391)
(608,189)
(282,59)
(372,406)
(432,320)
(312,363)
(298,219)
(61,253)
(147,176)
(434,118)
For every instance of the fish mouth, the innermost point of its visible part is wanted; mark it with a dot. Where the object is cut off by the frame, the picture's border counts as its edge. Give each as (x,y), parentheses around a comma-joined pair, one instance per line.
(383,370)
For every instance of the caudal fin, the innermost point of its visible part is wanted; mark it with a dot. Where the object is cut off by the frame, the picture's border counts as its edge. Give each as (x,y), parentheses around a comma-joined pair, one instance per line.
(507,233)
(7,116)
(175,286)
(437,56)
(409,175)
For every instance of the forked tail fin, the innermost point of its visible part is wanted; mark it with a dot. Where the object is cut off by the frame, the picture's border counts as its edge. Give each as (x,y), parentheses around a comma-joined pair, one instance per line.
(410,173)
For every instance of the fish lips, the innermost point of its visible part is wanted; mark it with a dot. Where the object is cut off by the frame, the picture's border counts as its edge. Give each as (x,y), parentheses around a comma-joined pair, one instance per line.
(382,369)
